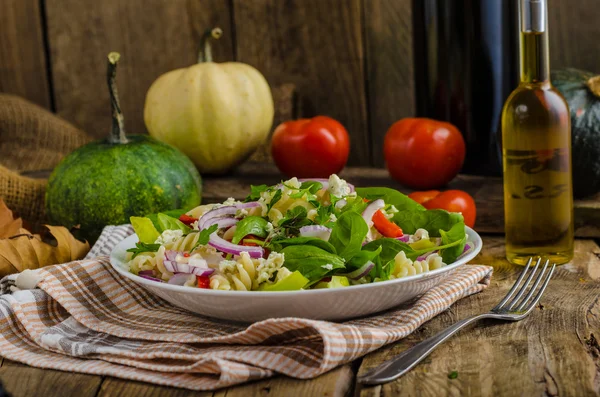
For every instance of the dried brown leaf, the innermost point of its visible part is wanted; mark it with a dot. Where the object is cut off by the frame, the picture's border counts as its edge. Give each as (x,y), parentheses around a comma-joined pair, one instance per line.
(27,251)
(9,226)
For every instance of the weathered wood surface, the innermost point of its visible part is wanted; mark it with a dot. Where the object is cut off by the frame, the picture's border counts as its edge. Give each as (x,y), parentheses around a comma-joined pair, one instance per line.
(153,37)
(486,191)
(23,69)
(317,45)
(552,352)
(390,74)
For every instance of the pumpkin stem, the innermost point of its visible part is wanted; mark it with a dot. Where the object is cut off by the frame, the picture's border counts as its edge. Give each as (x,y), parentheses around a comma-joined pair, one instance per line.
(117,134)
(594,85)
(205,53)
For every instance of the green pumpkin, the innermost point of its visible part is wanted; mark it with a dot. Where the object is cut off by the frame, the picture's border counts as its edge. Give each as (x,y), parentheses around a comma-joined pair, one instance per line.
(582,92)
(106,182)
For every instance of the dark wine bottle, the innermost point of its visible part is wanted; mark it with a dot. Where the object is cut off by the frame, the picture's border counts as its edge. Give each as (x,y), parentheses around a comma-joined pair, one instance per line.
(466,65)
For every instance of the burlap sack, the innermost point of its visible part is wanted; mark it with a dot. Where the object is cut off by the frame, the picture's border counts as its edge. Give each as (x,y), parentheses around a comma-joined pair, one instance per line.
(31,139)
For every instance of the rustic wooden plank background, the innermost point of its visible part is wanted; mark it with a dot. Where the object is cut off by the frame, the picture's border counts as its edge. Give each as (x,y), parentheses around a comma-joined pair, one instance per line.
(351,59)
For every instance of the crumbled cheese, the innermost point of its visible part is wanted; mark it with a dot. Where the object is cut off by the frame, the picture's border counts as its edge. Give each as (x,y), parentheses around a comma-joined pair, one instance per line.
(390,212)
(230,201)
(227,266)
(269,228)
(241,213)
(293,183)
(332,218)
(282,273)
(328,266)
(168,236)
(195,226)
(338,187)
(267,267)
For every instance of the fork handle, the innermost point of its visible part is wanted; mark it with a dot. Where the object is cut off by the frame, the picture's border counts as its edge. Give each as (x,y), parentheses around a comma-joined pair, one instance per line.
(405,361)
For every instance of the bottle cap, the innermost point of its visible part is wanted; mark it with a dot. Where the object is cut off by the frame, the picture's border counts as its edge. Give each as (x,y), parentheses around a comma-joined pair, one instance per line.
(533,15)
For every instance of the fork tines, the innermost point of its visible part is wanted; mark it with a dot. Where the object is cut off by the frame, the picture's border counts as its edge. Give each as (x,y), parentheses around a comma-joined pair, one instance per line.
(518,305)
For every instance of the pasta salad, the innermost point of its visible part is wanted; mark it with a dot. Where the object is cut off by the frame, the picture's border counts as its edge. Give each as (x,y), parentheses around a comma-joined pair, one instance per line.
(299,234)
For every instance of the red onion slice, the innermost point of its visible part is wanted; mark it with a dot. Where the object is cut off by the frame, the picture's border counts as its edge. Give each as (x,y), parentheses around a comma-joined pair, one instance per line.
(171,255)
(151,278)
(371,209)
(180,278)
(224,211)
(318,231)
(222,222)
(149,273)
(175,267)
(360,272)
(404,238)
(235,249)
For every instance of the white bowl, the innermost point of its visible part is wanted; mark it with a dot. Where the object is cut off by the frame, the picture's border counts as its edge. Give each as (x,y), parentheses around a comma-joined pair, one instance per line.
(318,304)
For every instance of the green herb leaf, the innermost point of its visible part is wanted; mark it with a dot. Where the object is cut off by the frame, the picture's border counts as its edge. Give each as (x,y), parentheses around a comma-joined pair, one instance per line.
(276,197)
(205,236)
(348,234)
(278,245)
(166,222)
(143,247)
(255,225)
(255,192)
(354,205)
(323,215)
(453,375)
(313,262)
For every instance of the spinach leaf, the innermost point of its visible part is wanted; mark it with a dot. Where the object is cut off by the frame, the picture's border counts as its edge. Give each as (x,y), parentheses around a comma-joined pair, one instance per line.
(382,270)
(456,233)
(255,225)
(165,222)
(278,245)
(411,215)
(358,260)
(294,219)
(348,234)
(255,192)
(204,236)
(143,247)
(313,262)
(324,215)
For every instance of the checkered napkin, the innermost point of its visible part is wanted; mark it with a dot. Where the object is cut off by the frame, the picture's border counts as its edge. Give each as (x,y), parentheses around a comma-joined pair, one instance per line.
(84,317)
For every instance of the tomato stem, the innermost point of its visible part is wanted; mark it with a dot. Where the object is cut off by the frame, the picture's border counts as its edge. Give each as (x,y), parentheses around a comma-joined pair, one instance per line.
(205,53)
(117,134)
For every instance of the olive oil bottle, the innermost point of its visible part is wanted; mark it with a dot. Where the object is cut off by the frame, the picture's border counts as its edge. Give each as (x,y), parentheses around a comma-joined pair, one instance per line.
(536,151)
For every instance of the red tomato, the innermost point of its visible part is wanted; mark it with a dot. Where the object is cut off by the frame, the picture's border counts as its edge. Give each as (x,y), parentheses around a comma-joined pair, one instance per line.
(450,200)
(310,148)
(423,153)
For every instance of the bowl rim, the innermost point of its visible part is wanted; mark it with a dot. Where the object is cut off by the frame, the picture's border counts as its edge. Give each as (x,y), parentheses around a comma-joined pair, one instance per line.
(117,263)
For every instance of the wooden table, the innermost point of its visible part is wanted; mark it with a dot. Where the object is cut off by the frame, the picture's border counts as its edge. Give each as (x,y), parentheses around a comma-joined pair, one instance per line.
(552,352)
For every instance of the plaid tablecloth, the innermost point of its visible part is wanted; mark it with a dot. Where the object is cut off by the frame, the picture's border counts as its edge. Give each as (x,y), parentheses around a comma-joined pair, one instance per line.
(84,317)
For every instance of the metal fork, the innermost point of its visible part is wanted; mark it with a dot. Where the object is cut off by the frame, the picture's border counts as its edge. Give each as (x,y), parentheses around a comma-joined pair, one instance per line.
(515,310)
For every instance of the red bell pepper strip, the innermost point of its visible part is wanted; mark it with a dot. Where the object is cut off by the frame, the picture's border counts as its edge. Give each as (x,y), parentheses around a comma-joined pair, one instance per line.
(188,220)
(385,226)
(203,282)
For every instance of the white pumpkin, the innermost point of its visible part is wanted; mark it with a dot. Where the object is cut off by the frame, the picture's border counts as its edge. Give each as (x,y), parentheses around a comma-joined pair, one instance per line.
(217,114)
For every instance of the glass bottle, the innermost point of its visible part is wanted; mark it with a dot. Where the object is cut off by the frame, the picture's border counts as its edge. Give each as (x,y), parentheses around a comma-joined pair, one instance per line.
(466,65)
(536,151)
